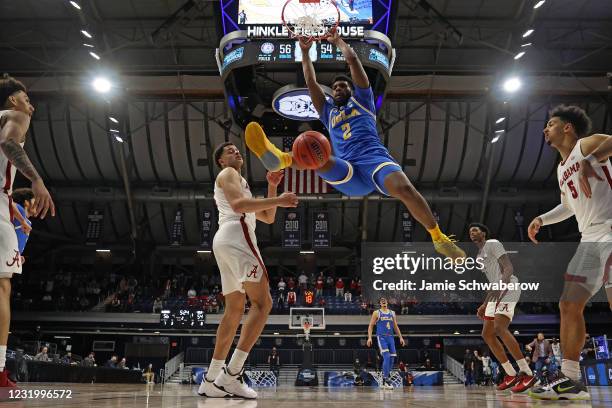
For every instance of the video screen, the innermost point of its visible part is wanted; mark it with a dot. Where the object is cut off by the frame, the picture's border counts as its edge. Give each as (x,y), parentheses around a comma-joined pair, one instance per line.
(269,11)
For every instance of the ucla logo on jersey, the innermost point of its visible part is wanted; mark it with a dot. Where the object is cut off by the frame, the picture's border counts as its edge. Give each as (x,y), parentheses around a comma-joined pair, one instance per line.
(342,116)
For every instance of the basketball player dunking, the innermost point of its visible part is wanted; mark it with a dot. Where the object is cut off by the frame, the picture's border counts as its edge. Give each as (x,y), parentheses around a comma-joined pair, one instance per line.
(242,270)
(497,310)
(361,163)
(14,123)
(585,180)
(386,326)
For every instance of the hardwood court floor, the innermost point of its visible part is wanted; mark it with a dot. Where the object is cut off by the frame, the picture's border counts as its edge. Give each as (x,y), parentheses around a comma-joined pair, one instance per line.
(183,396)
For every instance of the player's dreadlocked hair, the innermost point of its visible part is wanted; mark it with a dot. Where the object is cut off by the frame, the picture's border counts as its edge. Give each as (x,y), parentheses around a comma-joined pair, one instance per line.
(574,115)
(8,86)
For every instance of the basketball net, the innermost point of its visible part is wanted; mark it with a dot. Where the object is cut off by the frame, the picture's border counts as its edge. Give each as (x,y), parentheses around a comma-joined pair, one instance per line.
(310,19)
(306,327)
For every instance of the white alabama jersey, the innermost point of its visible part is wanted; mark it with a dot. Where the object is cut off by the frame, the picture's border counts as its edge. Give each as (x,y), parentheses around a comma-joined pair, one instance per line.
(588,211)
(490,253)
(226,213)
(7,170)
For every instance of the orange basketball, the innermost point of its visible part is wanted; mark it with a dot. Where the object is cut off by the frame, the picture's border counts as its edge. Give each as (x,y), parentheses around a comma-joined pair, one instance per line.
(311,150)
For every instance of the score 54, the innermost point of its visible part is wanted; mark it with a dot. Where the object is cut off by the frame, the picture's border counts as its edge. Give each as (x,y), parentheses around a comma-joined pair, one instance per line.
(327,48)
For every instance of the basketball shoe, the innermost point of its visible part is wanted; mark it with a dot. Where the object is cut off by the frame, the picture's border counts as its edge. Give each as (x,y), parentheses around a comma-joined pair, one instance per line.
(6,386)
(525,382)
(563,388)
(446,246)
(208,389)
(509,382)
(271,156)
(234,384)
(386,385)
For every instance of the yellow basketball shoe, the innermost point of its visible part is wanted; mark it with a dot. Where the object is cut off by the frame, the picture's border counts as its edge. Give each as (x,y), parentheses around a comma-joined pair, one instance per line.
(446,246)
(271,156)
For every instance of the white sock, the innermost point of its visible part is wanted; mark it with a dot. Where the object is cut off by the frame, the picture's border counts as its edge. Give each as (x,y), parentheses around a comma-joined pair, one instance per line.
(2,357)
(524,367)
(571,369)
(236,362)
(509,369)
(214,369)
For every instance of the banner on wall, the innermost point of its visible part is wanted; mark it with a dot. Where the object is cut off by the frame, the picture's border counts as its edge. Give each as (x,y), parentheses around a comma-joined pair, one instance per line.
(321,237)
(292,229)
(407,226)
(206,230)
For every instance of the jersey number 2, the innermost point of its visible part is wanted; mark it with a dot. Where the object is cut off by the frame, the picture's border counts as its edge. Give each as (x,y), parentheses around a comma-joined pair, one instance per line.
(346,131)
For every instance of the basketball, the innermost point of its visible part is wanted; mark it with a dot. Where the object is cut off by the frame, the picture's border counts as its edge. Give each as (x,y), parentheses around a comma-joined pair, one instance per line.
(311,150)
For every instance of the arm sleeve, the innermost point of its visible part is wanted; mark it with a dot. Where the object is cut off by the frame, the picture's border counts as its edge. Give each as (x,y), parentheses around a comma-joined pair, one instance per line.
(557,214)
(365,97)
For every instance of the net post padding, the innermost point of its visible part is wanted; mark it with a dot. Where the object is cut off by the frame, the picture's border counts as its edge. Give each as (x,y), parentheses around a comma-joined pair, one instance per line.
(306,325)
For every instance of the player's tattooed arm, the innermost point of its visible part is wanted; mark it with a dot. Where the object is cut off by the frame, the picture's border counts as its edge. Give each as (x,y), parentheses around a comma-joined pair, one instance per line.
(12,134)
(358,74)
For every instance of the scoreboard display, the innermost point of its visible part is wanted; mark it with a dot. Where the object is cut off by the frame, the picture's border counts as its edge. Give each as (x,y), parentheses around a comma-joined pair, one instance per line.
(182,319)
(288,51)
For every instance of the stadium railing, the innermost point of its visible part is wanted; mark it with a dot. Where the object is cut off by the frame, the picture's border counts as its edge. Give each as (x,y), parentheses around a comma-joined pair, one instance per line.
(173,365)
(454,367)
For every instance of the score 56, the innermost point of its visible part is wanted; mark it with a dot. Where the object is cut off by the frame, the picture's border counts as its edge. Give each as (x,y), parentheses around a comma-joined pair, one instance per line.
(285,48)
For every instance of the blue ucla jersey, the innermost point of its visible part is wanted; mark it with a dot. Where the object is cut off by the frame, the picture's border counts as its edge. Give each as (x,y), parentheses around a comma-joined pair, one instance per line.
(22,238)
(352,127)
(384,324)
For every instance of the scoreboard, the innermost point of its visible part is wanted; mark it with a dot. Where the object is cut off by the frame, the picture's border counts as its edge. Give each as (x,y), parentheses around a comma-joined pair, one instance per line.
(276,51)
(182,319)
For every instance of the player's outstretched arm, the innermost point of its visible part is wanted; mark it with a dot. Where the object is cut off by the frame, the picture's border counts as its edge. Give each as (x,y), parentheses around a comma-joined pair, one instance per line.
(358,74)
(560,213)
(274,179)
(11,135)
(314,89)
(371,327)
(229,181)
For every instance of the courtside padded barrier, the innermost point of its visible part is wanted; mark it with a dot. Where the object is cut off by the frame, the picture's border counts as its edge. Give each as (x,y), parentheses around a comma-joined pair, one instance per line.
(428,378)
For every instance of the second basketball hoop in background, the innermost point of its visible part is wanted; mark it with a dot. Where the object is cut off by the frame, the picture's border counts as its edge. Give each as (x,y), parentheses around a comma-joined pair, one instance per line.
(310,19)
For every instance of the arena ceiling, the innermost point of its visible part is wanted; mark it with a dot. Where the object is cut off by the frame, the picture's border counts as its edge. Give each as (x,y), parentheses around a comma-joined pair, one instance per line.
(41,37)
(171,124)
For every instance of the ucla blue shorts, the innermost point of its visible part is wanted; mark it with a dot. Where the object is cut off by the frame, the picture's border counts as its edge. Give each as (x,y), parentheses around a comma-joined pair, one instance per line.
(360,176)
(386,344)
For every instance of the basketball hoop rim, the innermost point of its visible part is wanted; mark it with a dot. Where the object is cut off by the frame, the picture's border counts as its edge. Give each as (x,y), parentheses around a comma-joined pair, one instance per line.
(292,33)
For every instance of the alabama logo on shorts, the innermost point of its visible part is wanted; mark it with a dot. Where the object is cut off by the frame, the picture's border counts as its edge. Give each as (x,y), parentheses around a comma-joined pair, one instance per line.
(253,273)
(16,259)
